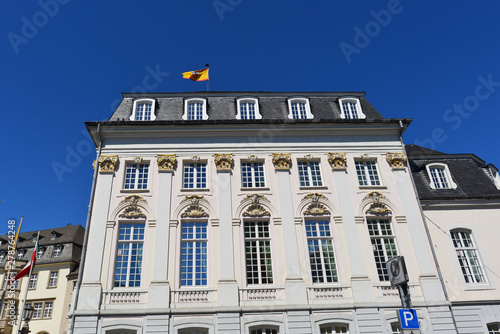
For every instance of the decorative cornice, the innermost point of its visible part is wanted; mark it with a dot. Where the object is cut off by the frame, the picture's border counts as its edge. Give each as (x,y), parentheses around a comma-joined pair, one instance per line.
(223,162)
(337,160)
(377,207)
(396,160)
(107,163)
(314,196)
(133,199)
(195,199)
(316,208)
(166,162)
(194,211)
(281,161)
(255,197)
(256,210)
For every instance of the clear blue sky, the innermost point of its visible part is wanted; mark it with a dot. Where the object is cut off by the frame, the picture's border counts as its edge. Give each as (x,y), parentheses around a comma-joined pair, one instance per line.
(65,62)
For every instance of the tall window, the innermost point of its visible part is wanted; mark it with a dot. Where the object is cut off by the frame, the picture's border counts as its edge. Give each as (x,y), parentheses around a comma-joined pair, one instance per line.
(47,310)
(252,174)
(143,111)
(309,174)
(136,176)
(299,110)
(333,329)
(194,254)
(33,279)
(383,244)
(438,177)
(53,279)
(195,111)
(247,110)
(195,175)
(350,110)
(468,256)
(128,268)
(264,330)
(493,329)
(367,173)
(258,253)
(321,254)
(37,313)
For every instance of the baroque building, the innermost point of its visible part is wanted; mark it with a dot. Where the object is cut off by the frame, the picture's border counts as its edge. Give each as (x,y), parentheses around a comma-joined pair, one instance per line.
(460,197)
(255,213)
(54,277)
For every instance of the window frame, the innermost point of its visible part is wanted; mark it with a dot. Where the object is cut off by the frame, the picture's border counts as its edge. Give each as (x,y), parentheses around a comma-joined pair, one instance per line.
(356,101)
(144,101)
(366,172)
(195,241)
(245,99)
(333,325)
(303,100)
(309,173)
(269,238)
(382,272)
(140,241)
(42,309)
(187,102)
(196,175)
(137,173)
(51,279)
(33,281)
(491,330)
(320,238)
(447,176)
(475,248)
(57,251)
(253,173)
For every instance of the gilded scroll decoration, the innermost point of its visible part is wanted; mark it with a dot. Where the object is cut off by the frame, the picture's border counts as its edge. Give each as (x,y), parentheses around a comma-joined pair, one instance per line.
(223,162)
(194,211)
(281,161)
(107,163)
(166,162)
(133,210)
(316,208)
(337,160)
(314,196)
(256,210)
(377,207)
(396,160)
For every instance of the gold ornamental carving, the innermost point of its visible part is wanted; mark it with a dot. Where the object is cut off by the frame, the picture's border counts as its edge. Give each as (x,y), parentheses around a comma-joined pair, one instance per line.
(133,210)
(166,162)
(316,208)
(194,199)
(337,160)
(255,198)
(223,162)
(377,207)
(107,163)
(314,196)
(256,210)
(282,161)
(396,160)
(194,211)
(133,199)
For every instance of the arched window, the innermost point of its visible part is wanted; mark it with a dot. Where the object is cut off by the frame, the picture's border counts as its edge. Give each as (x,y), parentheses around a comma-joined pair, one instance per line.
(195,109)
(299,108)
(351,108)
(334,329)
(248,108)
(143,110)
(494,328)
(264,330)
(468,256)
(440,176)
(193,331)
(128,267)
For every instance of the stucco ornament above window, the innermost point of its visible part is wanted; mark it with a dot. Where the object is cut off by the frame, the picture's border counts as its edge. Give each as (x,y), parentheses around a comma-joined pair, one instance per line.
(223,162)
(256,209)
(377,207)
(194,210)
(396,160)
(337,161)
(107,163)
(166,162)
(282,161)
(133,210)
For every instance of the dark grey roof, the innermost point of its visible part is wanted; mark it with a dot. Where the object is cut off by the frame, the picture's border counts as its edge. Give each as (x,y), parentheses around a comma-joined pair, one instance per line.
(222,105)
(472,176)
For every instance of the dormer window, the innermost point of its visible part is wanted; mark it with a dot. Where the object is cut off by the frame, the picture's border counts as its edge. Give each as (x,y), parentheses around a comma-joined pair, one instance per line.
(440,176)
(195,109)
(54,235)
(248,108)
(351,108)
(57,250)
(20,253)
(298,108)
(2,256)
(143,110)
(41,251)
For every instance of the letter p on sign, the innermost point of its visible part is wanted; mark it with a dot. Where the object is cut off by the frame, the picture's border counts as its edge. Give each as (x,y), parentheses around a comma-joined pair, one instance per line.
(408,318)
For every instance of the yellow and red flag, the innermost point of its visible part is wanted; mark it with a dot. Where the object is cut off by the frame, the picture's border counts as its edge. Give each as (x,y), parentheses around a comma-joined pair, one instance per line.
(201,75)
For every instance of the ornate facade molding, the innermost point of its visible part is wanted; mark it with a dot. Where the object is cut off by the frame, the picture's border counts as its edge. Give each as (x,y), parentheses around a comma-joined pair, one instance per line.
(256,210)
(255,197)
(396,160)
(195,199)
(166,162)
(316,208)
(281,161)
(107,163)
(337,161)
(223,162)
(194,211)
(377,207)
(132,210)
(315,197)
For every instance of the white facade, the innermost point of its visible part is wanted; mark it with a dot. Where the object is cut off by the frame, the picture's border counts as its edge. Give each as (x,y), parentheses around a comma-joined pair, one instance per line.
(288,247)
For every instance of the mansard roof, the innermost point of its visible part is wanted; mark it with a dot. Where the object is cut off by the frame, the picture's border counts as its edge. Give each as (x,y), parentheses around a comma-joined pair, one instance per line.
(221,106)
(474,179)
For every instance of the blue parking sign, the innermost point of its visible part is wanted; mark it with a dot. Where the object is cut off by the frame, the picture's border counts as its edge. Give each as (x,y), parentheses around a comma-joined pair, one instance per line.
(408,318)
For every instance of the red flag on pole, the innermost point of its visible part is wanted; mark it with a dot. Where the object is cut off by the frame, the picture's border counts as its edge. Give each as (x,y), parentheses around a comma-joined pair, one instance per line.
(26,270)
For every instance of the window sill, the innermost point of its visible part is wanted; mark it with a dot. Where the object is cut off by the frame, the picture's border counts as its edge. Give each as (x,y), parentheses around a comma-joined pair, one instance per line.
(312,187)
(255,189)
(134,190)
(478,286)
(194,189)
(372,187)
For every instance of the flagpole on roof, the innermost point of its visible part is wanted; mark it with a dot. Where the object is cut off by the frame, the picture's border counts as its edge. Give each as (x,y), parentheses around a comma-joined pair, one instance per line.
(10,257)
(21,313)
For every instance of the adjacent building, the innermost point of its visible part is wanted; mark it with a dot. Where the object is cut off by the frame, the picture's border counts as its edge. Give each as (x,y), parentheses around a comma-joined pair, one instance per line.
(460,197)
(255,213)
(50,288)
